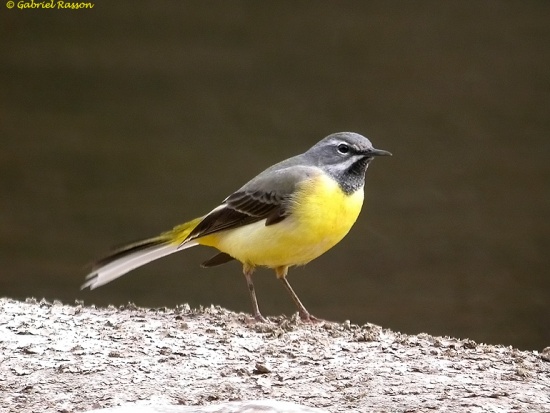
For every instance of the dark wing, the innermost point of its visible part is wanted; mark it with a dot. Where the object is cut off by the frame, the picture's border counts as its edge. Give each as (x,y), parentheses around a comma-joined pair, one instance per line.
(242,208)
(268,196)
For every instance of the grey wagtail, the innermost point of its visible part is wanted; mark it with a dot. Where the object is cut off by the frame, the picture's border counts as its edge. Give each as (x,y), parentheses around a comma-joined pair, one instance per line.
(288,215)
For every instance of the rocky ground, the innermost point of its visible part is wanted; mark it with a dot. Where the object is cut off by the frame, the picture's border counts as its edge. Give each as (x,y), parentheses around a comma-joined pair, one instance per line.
(62,358)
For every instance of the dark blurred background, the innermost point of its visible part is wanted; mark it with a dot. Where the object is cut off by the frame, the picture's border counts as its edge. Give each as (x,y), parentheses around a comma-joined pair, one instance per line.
(119,122)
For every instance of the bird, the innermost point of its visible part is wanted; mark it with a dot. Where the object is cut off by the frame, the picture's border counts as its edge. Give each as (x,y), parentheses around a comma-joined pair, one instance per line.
(288,215)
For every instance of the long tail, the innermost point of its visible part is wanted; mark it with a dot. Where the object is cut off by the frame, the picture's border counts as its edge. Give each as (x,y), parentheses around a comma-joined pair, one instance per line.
(134,255)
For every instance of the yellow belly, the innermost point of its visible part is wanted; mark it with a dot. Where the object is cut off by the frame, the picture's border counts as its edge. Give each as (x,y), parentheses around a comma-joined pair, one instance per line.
(320,217)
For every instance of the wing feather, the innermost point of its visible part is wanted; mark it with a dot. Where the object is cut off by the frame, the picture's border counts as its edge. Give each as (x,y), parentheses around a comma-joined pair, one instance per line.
(268,196)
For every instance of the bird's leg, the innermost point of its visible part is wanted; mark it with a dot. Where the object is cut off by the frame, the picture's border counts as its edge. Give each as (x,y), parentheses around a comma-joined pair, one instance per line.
(247,271)
(302,311)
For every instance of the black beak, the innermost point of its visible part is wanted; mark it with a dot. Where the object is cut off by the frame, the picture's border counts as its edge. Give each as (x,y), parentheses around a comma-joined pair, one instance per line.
(377,152)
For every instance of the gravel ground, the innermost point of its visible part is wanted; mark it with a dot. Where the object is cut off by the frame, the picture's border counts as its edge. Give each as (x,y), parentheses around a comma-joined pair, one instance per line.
(63,358)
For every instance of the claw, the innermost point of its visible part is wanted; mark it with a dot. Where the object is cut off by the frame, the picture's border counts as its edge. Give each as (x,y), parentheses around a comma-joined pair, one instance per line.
(308,318)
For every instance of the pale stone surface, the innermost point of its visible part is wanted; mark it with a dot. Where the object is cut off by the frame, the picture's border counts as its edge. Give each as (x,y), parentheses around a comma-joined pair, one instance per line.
(62,358)
(253,406)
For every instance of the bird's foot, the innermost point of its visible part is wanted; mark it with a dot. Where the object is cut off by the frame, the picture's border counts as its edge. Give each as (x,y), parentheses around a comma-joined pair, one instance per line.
(257,318)
(308,318)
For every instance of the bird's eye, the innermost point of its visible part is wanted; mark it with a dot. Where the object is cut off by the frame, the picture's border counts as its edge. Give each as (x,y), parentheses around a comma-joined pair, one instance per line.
(343,148)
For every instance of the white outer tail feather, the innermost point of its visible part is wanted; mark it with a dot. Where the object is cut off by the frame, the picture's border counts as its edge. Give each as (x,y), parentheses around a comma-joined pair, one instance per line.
(122,265)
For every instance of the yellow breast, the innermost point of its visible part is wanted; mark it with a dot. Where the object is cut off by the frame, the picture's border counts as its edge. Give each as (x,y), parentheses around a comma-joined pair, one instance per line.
(320,216)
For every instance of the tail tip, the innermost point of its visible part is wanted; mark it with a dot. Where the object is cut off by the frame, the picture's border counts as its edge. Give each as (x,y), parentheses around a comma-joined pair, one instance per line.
(91,280)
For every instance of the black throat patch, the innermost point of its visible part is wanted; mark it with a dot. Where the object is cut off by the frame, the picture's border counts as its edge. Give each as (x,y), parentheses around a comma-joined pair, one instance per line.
(354,177)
